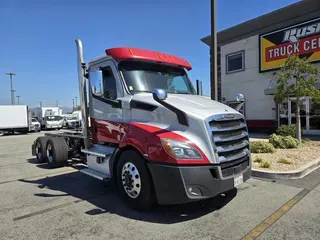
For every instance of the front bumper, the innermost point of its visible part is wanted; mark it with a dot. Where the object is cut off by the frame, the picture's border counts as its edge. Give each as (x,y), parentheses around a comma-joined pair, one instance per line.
(172,183)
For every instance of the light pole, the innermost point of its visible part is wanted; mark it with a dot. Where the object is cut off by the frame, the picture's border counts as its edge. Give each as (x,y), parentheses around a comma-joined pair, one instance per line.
(18,97)
(72,104)
(76,101)
(40,103)
(11,89)
(213,50)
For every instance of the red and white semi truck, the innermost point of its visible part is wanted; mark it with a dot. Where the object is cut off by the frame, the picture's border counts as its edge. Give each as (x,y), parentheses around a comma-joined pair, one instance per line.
(150,131)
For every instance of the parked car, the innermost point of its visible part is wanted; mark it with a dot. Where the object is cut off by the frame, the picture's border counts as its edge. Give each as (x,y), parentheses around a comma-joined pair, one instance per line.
(35,125)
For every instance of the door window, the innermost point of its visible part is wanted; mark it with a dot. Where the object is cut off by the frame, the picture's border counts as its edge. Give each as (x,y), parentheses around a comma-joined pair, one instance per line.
(105,87)
(109,84)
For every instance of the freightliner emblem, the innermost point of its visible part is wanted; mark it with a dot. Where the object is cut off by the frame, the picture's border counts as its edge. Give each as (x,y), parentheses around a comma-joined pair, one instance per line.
(228,116)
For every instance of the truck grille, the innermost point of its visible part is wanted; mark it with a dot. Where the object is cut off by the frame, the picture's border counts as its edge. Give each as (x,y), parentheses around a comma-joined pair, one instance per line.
(230,138)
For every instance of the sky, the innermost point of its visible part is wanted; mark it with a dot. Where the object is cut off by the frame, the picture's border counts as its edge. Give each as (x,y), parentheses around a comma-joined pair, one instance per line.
(37,38)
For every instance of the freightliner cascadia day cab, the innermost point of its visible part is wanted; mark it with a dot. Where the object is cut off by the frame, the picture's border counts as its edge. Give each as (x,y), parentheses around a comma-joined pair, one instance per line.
(150,132)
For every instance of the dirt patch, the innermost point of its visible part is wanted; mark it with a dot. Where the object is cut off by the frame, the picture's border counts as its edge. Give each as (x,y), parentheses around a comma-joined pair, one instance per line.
(297,158)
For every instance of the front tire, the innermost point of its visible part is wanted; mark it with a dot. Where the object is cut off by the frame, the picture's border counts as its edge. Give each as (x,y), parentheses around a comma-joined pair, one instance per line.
(134,181)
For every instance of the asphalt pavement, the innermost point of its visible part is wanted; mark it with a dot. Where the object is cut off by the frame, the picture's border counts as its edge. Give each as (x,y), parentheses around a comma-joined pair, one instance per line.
(41,203)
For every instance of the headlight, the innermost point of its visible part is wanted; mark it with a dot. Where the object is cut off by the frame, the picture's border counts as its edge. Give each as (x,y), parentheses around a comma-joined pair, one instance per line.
(180,150)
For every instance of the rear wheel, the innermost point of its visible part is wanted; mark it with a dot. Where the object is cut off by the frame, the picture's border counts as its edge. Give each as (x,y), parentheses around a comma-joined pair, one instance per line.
(41,144)
(134,181)
(56,152)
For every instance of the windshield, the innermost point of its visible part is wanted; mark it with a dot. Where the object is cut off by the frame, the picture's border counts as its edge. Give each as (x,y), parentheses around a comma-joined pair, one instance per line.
(33,120)
(72,118)
(143,77)
(53,118)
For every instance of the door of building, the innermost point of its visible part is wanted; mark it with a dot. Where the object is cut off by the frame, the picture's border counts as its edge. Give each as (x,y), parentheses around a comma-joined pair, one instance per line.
(309,114)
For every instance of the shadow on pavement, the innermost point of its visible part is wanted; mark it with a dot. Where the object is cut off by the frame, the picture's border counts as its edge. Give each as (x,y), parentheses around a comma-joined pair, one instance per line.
(105,200)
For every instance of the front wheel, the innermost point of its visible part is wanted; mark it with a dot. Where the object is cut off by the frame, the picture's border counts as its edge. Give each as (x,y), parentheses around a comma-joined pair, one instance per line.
(134,181)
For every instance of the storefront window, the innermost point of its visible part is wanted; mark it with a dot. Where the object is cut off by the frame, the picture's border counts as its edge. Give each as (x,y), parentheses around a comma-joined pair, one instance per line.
(314,115)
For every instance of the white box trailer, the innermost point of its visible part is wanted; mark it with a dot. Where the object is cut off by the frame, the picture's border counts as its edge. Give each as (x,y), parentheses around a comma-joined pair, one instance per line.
(14,118)
(49,117)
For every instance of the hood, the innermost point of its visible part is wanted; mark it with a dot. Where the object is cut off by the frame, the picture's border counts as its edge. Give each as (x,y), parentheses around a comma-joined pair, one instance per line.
(191,104)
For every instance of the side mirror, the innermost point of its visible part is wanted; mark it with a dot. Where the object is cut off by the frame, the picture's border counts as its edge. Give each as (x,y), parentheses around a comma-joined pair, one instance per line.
(159,94)
(96,82)
(240,98)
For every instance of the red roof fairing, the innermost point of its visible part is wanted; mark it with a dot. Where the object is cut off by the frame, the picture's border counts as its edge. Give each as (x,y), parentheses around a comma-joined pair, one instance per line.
(122,53)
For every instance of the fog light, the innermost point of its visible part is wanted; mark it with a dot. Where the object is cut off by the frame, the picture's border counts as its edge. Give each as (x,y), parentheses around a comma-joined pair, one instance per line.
(195,191)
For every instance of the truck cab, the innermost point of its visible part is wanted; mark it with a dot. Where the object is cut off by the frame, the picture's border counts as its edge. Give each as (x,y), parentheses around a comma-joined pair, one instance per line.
(152,133)
(144,100)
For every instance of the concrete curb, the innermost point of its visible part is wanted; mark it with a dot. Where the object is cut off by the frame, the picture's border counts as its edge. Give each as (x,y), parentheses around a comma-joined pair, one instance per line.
(296,174)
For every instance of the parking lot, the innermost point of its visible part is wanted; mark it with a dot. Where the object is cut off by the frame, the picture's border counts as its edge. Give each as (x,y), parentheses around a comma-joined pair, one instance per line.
(41,203)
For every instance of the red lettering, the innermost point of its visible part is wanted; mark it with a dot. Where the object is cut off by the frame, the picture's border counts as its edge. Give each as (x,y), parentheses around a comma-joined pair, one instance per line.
(305,45)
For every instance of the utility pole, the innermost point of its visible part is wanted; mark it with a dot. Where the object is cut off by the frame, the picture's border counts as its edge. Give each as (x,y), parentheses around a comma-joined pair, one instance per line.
(76,101)
(18,99)
(213,52)
(40,104)
(11,89)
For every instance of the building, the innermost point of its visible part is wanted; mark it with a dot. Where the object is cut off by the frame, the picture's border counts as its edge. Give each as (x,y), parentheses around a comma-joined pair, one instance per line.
(250,54)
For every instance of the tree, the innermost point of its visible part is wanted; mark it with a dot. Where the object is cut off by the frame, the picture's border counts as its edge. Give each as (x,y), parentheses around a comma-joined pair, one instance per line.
(305,77)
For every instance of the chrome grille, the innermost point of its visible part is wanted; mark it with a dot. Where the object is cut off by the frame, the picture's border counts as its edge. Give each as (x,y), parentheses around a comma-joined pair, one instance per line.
(230,138)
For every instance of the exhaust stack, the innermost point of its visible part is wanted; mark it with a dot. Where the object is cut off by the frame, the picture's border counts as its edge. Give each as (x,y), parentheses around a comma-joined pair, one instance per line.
(83,92)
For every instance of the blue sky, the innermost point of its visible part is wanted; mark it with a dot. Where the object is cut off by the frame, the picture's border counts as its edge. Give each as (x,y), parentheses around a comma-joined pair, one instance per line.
(37,38)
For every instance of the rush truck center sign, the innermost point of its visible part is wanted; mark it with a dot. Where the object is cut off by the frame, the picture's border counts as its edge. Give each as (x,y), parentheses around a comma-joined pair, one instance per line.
(302,39)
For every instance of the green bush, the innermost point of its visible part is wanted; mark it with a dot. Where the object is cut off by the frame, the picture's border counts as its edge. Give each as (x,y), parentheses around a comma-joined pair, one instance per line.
(305,140)
(287,130)
(283,142)
(261,147)
(265,164)
(258,160)
(284,161)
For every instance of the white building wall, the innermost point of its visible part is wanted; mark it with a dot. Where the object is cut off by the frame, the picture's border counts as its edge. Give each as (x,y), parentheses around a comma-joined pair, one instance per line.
(250,82)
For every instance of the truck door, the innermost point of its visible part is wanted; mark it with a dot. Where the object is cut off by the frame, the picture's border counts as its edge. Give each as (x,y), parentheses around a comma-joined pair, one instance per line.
(105,108)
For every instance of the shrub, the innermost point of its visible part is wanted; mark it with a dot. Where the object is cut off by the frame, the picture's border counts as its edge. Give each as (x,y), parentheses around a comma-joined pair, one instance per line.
(261,147)
(284,161)
(265,164)
(258,160)
(283,142)
(287,130)
(305,140)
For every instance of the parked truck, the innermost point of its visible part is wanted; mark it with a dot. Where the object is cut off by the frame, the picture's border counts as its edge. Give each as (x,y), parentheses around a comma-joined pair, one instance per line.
(49,117)
(14,118)
(150,132)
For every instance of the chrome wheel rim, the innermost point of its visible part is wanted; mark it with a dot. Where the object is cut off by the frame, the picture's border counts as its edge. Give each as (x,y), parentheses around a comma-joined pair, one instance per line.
(131,180)
(38,150)
(49,152)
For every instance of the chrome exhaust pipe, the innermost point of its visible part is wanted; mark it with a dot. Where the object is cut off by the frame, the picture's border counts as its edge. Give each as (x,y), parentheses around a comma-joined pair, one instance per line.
(83,92)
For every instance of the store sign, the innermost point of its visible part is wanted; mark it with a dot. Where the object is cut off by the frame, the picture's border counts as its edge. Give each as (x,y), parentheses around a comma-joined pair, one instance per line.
(302,39)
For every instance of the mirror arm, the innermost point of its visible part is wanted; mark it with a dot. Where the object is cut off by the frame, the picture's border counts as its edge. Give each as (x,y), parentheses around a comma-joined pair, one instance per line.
(239,106)
(182,116)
